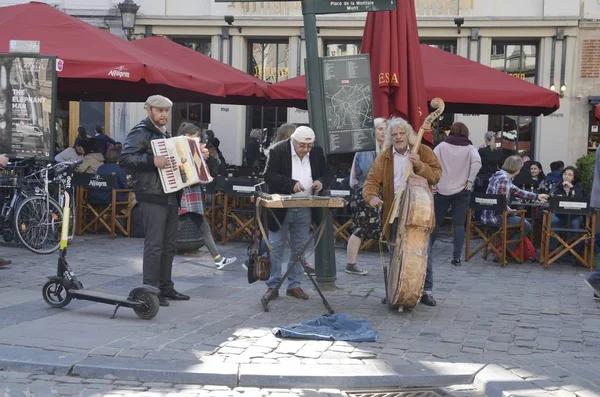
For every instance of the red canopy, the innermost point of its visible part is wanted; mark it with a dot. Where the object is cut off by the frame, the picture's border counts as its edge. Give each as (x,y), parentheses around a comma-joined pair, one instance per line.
(391,38)
(465,86)
(97,64)
(237,83)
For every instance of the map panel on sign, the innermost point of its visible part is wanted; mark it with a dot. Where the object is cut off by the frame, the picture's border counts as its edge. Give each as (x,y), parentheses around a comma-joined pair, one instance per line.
(348,103)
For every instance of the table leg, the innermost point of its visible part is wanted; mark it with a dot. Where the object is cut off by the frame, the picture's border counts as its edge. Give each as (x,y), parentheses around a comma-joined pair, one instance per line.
(297,260)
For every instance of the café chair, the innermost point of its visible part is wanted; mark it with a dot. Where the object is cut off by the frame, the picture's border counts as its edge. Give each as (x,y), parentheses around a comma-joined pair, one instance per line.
(93,214)
(494,238)
(342,218)
(568,238)
(238,209)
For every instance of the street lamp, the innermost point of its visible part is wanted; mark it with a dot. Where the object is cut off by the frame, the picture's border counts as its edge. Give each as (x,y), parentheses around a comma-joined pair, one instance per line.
(128,12)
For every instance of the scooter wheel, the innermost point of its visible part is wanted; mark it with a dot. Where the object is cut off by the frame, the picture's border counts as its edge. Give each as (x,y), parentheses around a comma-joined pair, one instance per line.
(150,306)
(56,293)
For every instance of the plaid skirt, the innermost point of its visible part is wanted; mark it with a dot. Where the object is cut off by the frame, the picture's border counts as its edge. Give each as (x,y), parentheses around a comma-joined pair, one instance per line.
(366,219)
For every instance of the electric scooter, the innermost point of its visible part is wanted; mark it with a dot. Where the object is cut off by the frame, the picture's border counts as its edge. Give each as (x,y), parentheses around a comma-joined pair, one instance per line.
(59,290)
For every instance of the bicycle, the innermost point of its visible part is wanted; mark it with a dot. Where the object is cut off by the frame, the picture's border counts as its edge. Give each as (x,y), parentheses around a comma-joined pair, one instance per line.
(39,217)
(17,188)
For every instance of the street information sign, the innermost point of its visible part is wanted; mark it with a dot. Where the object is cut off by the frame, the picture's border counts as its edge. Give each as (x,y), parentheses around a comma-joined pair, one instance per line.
(348,103)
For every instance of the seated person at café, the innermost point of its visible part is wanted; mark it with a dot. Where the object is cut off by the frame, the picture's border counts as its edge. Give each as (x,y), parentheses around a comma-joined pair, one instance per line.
(92,160)
(110,168)
(555,175)
(74,153)
(538,177)
(501,183)
(569,188)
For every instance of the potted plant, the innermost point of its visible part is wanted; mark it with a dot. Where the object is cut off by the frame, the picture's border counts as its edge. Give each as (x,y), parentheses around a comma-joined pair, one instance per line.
(585,165)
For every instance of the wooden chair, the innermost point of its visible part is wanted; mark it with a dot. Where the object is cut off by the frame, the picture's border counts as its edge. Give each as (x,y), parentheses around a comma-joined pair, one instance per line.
(93,214)
(495,238)
(568,238)
(342,218)
(121,210)
(238,209)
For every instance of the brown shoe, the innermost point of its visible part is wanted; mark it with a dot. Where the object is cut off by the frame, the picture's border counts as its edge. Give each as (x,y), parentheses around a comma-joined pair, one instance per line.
(274,296)
(296,293)
(4,262)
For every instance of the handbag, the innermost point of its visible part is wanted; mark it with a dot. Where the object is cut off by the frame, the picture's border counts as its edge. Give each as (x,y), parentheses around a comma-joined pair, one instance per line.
(259,265)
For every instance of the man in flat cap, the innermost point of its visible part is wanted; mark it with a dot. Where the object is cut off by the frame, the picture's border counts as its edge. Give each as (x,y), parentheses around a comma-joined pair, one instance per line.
(297,167)
(159,210)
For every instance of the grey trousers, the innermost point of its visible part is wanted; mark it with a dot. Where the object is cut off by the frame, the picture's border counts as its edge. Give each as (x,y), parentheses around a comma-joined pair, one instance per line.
(160,231)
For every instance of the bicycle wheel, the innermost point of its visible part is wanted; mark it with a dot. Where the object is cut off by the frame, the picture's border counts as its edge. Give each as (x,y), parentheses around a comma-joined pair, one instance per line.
(38,224)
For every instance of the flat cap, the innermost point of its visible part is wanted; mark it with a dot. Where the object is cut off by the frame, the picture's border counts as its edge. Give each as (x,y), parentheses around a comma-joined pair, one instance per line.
(303,134)
(158,101)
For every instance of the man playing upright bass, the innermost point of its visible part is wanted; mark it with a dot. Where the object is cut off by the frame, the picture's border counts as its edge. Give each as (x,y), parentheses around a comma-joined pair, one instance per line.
(386,174)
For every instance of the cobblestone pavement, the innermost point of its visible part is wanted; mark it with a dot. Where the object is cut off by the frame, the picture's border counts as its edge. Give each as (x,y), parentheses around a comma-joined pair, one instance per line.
(31,385)
(543,325)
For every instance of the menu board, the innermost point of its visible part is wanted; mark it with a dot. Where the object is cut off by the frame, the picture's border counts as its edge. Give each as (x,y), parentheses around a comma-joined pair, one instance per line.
(27,100)
(348,101)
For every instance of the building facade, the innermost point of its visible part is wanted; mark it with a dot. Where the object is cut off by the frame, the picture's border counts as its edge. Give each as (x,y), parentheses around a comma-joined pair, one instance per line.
(552,43)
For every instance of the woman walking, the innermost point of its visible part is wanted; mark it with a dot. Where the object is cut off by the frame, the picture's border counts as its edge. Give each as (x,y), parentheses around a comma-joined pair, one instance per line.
(460,164)
(191,202)
(366,219)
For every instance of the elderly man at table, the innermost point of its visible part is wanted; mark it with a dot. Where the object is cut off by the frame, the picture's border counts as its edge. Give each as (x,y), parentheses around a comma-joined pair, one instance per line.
(298,167)
(386,174)
(501,183)
(593,280)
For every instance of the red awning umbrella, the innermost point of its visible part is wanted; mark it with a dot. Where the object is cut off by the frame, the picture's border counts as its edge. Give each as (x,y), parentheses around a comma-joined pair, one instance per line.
(391,38)
(469,87)
(237,83)
(464,85)
(98,65)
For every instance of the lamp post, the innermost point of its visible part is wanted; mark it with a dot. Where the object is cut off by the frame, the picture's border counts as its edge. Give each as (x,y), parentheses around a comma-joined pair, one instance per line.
(128,11)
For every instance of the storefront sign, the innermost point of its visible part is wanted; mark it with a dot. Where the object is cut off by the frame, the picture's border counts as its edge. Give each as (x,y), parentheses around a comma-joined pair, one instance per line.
(27,99)
(348,103)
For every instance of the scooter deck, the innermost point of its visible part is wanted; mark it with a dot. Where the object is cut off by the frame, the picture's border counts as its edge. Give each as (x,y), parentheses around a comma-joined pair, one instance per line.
(102,297)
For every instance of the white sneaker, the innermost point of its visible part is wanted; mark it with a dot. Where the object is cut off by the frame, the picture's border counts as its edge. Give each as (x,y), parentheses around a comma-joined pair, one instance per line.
(224,262)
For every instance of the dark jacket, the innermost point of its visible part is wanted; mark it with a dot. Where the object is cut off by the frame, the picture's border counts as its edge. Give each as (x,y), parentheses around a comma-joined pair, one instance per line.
(278,174)
(253,153)
(138,159)
(576,191)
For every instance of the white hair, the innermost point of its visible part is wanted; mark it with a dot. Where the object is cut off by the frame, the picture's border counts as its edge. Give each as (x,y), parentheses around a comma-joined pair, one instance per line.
(399,123)
(378,121)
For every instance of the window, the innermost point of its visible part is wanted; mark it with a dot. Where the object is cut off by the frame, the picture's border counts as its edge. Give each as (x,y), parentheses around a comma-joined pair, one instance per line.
(198,113)
(338,48)
(268,60)
(520,61)
(201,44)
(444,45)
(594,124)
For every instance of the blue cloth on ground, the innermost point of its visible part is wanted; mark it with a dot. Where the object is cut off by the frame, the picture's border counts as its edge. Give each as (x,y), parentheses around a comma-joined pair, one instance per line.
(337,327)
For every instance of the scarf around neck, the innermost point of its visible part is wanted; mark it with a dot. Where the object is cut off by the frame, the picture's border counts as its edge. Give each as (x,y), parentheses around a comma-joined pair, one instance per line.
(457,140)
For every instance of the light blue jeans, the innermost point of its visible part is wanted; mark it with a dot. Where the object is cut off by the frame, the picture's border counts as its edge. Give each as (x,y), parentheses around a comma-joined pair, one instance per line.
(297,225)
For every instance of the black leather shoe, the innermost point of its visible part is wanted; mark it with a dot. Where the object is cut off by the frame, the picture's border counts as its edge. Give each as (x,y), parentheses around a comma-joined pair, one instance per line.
(456,262)
(176,296)
(162,301)
(427,299)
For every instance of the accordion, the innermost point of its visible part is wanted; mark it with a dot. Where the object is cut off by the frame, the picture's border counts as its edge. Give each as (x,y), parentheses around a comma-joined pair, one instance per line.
(185,163)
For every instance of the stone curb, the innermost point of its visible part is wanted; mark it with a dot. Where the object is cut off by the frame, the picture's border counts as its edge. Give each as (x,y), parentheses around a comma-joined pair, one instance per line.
(495,381)
(28,359)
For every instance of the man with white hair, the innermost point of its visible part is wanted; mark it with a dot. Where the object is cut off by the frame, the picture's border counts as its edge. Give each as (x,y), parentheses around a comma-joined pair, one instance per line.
(298,167)
(386,175)
(160,211)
